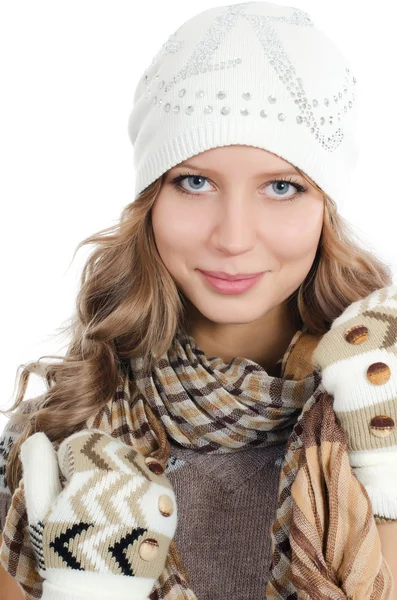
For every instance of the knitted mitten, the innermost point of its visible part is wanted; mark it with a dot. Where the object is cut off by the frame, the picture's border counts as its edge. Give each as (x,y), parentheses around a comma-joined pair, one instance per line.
(357,357)
(107,532)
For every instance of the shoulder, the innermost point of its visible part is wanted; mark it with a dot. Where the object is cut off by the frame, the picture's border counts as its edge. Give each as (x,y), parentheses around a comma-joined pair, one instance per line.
(10,433)
(15,423)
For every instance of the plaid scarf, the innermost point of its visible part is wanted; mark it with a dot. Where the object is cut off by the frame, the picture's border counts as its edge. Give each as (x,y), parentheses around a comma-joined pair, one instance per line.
(324,538)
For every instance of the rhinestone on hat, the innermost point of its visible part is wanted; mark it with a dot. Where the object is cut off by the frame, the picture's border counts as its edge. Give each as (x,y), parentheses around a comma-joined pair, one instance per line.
(200,61)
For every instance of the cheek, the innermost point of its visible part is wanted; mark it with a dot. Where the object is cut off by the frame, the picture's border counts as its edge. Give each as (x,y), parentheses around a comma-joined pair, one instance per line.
(177,233)
(296,234)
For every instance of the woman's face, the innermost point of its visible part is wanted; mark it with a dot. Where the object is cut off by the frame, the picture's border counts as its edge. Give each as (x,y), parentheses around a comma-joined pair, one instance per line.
(232,219)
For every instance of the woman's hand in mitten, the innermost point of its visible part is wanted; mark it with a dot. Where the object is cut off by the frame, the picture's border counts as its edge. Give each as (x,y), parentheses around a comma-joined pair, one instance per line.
(358,360)
(107,532)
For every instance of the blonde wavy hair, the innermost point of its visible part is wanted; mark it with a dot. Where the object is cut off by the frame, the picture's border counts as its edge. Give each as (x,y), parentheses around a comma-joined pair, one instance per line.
(128,305)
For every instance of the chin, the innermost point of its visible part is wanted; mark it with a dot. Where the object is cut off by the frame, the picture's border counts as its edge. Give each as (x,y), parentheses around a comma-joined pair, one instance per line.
(240,313)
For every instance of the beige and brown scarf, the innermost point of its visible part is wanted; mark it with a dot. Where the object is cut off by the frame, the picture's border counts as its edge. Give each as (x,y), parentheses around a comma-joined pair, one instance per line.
(325,540)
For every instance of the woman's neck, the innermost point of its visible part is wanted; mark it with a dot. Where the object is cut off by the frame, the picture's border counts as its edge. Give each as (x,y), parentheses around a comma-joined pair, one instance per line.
(263,341)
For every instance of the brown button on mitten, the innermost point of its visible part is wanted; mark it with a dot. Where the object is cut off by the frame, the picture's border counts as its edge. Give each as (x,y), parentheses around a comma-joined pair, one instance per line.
(107,531)
(358,361)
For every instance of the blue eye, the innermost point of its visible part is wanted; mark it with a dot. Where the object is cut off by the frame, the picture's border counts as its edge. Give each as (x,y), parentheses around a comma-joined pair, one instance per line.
(285,186)
(196,182)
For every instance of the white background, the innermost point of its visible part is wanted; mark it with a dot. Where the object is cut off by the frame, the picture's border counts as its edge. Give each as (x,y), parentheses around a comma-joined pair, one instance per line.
(68,75)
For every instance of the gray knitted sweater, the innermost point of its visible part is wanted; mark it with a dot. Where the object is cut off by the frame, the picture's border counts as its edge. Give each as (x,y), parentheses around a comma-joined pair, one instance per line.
(226,506)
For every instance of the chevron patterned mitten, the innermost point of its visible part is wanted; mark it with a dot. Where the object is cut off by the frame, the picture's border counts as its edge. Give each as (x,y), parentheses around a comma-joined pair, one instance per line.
(358,360)
(107,531)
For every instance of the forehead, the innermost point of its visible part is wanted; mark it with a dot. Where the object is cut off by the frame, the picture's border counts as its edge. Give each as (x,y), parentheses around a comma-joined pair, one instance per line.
(239,159)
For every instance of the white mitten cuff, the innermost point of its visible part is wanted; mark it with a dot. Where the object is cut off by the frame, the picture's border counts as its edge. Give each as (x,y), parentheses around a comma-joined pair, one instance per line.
(380,482)
(62,584)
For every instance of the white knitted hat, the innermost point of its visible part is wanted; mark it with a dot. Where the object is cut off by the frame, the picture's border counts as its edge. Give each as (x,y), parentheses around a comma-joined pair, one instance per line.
(254,73)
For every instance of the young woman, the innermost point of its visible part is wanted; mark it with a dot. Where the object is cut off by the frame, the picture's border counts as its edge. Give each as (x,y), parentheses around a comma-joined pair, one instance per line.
(215,370)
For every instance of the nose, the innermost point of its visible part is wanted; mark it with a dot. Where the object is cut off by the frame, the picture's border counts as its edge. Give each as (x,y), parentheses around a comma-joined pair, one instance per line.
(235,231)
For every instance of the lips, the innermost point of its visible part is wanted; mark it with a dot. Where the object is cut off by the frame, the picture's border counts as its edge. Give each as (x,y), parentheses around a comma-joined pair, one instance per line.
(227,277)
(234,286)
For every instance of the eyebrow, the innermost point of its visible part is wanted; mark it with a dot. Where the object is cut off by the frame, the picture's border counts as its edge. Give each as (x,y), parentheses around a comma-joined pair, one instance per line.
(277,172)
